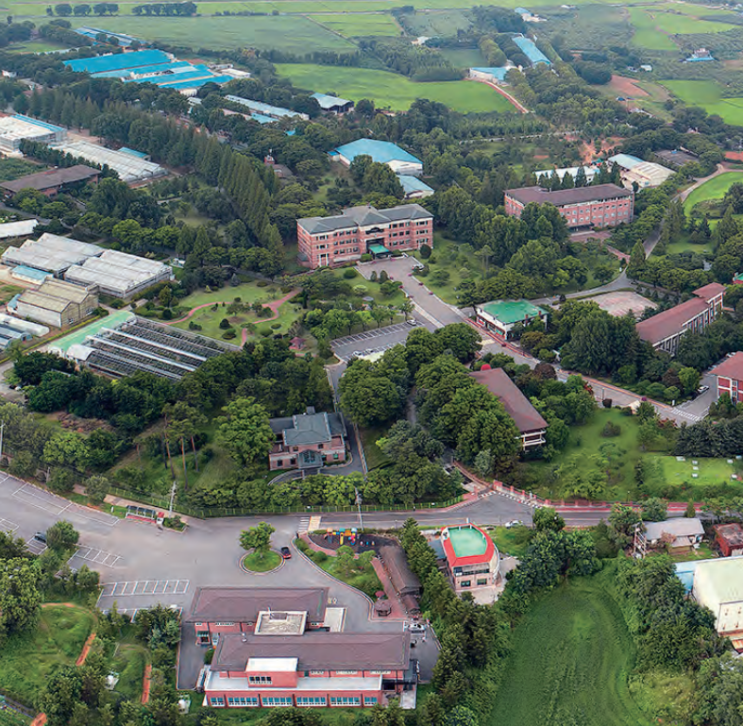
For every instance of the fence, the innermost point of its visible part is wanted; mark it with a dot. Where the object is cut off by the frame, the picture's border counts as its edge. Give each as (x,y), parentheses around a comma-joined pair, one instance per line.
(14,705)
(209,512)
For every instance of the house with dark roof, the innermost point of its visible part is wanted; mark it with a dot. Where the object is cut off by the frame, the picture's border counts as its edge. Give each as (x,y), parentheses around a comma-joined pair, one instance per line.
(532,427)
(51,181)
(729,538)
(216,611)
(602,205)
(308,441)
(403,579)
(729,377)
(664,330)
(679,533)
(343,238)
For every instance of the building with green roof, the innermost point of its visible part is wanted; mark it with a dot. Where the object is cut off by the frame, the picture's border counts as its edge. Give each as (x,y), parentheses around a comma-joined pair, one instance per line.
(501,316)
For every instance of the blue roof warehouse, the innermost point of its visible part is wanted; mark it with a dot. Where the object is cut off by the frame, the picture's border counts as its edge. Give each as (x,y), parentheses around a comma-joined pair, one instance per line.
(384,152)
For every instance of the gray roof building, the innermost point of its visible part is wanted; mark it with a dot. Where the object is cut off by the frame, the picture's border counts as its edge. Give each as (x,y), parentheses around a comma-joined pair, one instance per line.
(51,253)
(363,216)
(309,428)
(561,197)
(51,178)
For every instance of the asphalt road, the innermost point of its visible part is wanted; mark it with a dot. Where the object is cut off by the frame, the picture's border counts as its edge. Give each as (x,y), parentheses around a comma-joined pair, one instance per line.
(377,340)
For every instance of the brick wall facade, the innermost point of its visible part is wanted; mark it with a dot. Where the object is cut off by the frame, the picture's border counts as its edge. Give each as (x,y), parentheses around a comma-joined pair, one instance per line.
(602,213)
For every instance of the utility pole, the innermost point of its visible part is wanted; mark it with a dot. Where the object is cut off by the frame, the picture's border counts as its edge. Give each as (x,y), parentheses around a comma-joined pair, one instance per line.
(172,497)
(2,429)
(358,504)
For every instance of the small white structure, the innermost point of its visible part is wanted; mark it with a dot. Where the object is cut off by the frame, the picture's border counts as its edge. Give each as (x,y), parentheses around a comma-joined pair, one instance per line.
(589,171)
(718,585)
(32,328)
(18,229)
(645,173)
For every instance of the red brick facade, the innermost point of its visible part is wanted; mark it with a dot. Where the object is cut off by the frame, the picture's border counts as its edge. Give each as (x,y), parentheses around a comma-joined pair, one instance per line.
(604,205)
(331,241)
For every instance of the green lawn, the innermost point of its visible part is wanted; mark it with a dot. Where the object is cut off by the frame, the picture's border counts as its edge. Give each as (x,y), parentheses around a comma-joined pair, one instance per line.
(373,454)
(713,189)
(682,24)
(129,662)
(292,34)
(646,35)
(464,57)
(571,657)
(514,541)
(27,659)
(393,90)
(708,95)
(256,562)
(353,25)
(709,472)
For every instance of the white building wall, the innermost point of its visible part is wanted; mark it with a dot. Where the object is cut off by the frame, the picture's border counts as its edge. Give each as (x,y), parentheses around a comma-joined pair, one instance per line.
(39,315)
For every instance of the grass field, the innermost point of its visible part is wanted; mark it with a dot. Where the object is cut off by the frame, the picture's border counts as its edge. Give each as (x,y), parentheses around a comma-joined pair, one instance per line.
(713,189)
(513,541)
(27,659)
(292,34)
(572,655)
(709,471)
(463,57)
(353,25)
(129,662)
(257,563)
(390,89)
(708,95)
(646,35)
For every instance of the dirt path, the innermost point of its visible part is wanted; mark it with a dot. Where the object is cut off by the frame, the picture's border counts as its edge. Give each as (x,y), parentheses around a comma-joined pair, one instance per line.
(146,684)
(86,649)
(499,89)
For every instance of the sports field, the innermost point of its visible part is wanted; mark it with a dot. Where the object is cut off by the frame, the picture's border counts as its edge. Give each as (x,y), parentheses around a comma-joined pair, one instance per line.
(292,34)
(708,95)
(571,657)
(713,189)
(391,89)
(353,25)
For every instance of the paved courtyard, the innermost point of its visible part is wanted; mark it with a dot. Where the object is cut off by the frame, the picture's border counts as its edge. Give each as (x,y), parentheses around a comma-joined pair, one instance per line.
(620,303)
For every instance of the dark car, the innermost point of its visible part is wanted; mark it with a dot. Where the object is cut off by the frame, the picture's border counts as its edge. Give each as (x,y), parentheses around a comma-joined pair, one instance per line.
(286,553)
(40,536)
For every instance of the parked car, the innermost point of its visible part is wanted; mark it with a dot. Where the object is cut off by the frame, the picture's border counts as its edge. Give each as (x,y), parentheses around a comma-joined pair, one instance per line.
(417,628)
(40,536)
(286,553)
(702,389)
(514,523)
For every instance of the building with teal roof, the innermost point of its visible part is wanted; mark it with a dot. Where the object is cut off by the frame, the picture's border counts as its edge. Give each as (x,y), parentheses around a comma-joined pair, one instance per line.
(502,316)
(383,152)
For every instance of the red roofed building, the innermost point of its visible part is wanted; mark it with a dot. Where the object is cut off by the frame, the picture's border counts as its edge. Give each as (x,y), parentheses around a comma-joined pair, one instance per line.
(528,420)
(729,537)
(664,330)
(472,559)
(730,377)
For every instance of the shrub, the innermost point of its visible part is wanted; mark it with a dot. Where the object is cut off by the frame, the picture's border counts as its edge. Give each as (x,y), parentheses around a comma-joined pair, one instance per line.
(262,283)
(229,334)
(275,326)
(117,304)
(265,333)
(373,276)
(432,259)
(611,429)
(360,290)
(350,273)
(209,656)
(423,272)
(167,314)
(286,289)
(383,276)
(425,251)
(606,403)
(193,326)
(366,257)
(224,324)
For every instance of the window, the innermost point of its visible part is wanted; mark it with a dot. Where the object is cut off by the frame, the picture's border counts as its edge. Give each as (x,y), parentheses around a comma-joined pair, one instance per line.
(311,701)
(316,673)
(262,680)
(277,701)
(482,582)
(370,700)
(345,701)
(465,583)
(346,673)
(243,701)
(279,462)
(216,701)
(226,624)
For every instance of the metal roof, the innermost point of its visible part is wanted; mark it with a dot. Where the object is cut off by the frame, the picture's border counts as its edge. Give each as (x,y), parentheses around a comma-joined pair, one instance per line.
(626,161)
(723,578)
(678,527)
(363,216)
(328,102)
(17,229)
(380,151)
(128,167)
(413,184)
(530,50)
(265,108)
(51,178)
(511,311)
(498,72)
(50,252)
(117,271)
(116,61)
(561,197)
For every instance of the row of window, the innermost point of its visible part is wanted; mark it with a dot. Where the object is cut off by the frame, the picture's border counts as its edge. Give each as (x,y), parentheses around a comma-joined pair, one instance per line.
(253,680)
(288,701)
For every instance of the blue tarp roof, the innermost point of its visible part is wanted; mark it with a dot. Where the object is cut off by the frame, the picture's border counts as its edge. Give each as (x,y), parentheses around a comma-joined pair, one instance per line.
(123,38)
(498,72)
(261,119)
(121,60)
(197,83)
(530,50)
(381,151)
(413,184)
(133,152)
(522,11)
(157,68)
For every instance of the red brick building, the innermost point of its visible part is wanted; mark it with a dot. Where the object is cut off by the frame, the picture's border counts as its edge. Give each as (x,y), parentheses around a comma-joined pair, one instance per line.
(729,376)
(729,538)
(664,330)
(272,652)
(329,241)
(472,560)
(603,205)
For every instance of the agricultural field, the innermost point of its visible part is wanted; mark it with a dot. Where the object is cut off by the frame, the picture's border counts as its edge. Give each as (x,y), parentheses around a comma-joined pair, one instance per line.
(437,22)
(713,189)
(392,90)
(27,659)
(352,25)
(646,33)
(708,95)
(571,658)
(291,34)
(463,57)
(681,24)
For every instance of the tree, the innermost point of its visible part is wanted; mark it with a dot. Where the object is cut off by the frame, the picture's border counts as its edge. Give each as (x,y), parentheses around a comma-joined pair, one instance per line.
(245,432)
(654,510)
(369,398)
(63,10)
(96,487)
(691,511)
(257,538)
(406,307)
(689,378)
(62,693)
(20,599)
(547,519)
(62,536)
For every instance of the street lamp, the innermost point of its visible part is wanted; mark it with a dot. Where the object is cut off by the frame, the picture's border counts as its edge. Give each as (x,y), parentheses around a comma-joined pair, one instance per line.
(358,504)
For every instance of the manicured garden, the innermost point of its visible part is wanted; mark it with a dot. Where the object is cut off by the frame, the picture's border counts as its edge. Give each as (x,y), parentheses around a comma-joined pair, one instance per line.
(27,659)
(392,90)
(261,561)
(571,658)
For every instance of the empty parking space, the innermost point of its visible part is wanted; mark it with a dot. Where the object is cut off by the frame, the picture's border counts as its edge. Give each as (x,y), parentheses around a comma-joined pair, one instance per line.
(7,526)
(35,546)
(373,341)
(92,556)
(145,587)
(58,507)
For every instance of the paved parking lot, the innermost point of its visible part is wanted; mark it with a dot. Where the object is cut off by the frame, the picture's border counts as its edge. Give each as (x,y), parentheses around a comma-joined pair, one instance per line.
(377,340)
(7,526)
(91,556)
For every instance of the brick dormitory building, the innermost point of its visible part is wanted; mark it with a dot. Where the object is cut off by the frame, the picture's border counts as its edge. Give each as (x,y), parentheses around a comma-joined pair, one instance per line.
(602,205)
(328,241)
(283,647)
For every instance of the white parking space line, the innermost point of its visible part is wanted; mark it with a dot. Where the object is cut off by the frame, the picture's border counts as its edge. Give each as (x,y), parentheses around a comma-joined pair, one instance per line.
(99,557)
(34,546)
(145,587)
(7,526)
(37,498)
